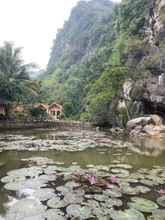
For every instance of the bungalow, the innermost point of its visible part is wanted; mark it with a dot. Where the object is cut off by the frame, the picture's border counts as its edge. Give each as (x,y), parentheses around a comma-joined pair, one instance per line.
(55,110)
(43,107)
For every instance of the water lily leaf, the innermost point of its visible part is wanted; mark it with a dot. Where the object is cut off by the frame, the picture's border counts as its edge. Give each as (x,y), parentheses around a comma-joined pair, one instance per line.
(14,186)
(93,204)
(26,208)
(109,203)
(101,167)
(100,198)
(54,214)
(12,178)
(79,212)
(129,190)
(161,201)
(159,214)
(44,194)
(72,198)
(124,166)
(63,189)
(26,172)
(56,203)
(72,184)
(29,183)
(148,182)
(129,214)
(113,193)
(143,205)
(47,178)
(122,173)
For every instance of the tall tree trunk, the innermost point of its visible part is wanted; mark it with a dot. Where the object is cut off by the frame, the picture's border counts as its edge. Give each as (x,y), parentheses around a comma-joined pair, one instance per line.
(8,111)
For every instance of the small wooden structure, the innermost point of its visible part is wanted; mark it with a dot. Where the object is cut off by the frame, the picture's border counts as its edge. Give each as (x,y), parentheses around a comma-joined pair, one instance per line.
(55,110)
(42,106)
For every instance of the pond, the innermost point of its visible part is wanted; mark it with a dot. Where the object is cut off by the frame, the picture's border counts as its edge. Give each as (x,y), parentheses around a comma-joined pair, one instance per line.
(54,175)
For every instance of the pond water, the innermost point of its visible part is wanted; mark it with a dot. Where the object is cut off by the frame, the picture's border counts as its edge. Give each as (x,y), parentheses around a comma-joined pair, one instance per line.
(80,175)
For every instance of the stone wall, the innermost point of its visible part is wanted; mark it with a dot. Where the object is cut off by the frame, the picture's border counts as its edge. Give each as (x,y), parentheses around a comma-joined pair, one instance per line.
(50,124)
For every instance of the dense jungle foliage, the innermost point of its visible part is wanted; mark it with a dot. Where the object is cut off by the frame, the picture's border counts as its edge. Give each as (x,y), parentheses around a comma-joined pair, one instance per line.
(100,46)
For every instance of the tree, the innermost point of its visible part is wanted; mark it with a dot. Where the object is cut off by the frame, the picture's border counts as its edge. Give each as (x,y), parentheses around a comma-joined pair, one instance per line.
(103,93)
(15,83)
(38,113)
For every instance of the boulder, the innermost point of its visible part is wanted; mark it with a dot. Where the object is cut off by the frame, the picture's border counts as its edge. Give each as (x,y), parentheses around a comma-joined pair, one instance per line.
(136,131)
(141,121)
(157,120)
(153,130)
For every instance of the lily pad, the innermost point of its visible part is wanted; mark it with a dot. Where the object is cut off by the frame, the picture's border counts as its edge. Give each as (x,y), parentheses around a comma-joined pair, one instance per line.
(122,173)
(113,193)
(161,201)
(43,194)
(100,198)
(148,182)
(109,203)
(159,214)
(129,190)
(124,166)
(26,208)
(72,185)
(129,214)
(12,178)
(72,198)
(26,172)
(63,189)
(77,211)
(54,214)
(56,203)
(14,186)
(143,205)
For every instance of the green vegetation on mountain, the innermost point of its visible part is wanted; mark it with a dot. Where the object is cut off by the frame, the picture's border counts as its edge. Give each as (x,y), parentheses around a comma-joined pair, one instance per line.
(100,46)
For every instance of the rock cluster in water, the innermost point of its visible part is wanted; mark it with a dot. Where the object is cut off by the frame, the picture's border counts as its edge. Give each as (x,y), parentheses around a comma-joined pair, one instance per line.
(151,125)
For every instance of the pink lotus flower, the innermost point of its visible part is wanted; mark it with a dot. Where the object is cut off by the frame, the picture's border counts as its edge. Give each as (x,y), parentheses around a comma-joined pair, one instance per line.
(114,179)
(162,191)
(92,180)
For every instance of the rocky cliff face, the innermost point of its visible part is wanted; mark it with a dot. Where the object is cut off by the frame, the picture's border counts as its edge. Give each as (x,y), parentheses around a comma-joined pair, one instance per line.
(82,33)
(155,29)
(147,96)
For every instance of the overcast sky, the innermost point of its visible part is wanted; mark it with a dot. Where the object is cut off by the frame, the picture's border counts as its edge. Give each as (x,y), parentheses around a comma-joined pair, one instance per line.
(33,24)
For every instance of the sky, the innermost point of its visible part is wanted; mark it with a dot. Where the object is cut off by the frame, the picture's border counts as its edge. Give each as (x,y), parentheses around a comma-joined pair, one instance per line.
(32,25)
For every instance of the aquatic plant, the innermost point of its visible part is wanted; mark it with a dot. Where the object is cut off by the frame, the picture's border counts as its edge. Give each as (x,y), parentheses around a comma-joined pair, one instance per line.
(92,180)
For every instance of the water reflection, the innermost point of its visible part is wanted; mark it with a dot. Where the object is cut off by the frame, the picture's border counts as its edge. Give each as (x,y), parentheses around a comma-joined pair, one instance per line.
(147,146)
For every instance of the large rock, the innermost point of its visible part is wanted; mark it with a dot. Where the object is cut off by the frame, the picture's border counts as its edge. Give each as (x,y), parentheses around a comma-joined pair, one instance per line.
(150,126)
(141,121)
(157,120)
(152,130)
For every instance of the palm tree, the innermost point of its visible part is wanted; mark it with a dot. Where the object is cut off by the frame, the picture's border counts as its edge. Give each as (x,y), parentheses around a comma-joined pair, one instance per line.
(15,83)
